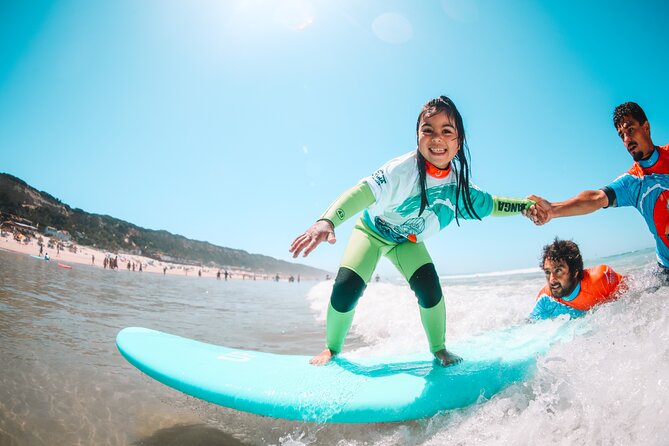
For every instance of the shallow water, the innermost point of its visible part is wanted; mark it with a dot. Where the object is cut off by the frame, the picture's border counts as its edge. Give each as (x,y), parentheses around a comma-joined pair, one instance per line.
(64,382)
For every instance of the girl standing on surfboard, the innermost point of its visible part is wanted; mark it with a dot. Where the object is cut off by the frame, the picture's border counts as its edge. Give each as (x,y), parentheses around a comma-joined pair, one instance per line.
(407,200)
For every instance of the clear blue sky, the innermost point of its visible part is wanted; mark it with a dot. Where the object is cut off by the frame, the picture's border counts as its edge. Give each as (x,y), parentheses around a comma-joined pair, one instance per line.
(238,122)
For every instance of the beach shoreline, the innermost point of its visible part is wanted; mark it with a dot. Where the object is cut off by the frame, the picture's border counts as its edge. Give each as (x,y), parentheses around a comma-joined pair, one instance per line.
(86,255)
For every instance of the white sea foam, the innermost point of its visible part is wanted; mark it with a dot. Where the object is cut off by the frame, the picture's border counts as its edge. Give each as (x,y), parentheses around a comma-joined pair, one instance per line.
(532,270)
(387,316)
(609,385)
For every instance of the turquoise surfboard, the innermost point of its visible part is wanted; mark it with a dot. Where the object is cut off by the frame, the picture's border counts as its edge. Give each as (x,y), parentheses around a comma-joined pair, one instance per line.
(347,390)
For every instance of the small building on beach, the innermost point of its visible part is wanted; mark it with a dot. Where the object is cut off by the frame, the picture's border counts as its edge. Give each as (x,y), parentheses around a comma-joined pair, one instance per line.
(17,227)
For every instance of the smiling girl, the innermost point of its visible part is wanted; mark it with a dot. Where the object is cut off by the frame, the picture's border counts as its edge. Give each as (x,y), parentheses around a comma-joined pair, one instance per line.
(407,200)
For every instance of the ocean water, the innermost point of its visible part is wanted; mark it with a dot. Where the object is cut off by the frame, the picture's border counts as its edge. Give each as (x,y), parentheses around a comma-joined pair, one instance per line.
(62,381)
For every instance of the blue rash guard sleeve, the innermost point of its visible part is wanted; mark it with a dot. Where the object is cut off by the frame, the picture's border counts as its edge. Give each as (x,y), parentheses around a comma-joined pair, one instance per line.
(547,308)
(482,202)
(625,190)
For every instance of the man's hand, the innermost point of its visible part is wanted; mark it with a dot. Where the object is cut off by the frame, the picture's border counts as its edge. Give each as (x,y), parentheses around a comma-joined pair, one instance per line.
(320,231)
(541,212)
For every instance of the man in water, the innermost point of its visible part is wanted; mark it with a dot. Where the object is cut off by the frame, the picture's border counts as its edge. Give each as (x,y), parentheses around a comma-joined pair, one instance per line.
(569,288)
(645,186)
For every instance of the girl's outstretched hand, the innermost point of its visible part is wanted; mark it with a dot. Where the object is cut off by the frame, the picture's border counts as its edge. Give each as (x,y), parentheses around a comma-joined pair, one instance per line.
(540,212)
(320,231)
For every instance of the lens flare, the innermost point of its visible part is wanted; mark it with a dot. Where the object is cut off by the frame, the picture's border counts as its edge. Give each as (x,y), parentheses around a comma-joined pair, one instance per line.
(392,28)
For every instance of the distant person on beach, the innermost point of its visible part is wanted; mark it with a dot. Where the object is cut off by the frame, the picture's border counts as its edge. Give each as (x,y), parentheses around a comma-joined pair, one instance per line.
(92,259)
(569,288)
(164,270)
(645,185)
(407,200)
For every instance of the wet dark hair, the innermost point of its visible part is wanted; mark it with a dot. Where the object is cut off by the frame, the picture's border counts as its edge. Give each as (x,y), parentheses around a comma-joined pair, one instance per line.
(628,109)
(565,250)
(460,163)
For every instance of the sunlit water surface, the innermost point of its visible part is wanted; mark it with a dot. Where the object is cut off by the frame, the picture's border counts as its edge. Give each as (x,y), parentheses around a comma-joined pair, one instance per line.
(62,381)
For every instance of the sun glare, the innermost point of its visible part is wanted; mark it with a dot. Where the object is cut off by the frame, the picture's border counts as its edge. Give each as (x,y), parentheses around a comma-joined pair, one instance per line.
(295,15)
(292,15)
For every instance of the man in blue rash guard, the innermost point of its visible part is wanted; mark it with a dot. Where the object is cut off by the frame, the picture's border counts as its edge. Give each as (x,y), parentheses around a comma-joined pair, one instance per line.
(644,186)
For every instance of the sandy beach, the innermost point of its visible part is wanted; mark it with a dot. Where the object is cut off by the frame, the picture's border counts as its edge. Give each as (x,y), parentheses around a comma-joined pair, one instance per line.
(85,255)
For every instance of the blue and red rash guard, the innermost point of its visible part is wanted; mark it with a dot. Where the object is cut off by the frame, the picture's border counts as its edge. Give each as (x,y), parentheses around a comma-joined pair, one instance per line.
(646,187)
(599,285)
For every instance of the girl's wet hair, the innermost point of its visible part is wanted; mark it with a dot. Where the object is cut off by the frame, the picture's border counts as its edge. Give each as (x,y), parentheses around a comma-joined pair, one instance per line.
(460,163)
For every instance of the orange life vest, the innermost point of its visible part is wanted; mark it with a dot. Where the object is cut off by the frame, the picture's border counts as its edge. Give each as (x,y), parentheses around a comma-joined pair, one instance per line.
(597,286)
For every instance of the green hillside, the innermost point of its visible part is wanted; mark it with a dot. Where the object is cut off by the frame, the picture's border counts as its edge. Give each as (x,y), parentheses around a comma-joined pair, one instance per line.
(114,235)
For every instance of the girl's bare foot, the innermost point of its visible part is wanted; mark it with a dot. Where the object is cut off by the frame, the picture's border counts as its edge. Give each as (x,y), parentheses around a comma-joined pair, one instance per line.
(446,358)
(323,357)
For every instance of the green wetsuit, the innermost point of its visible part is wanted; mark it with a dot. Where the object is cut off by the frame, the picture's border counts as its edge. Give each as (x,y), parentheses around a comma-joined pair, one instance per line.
(396,232)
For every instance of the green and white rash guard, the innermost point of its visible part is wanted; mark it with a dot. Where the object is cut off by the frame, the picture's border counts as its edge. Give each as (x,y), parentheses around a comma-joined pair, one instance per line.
(391,200)
(397,193)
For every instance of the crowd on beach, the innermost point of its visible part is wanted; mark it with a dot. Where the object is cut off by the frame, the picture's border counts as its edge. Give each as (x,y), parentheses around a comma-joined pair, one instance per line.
(55,249)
